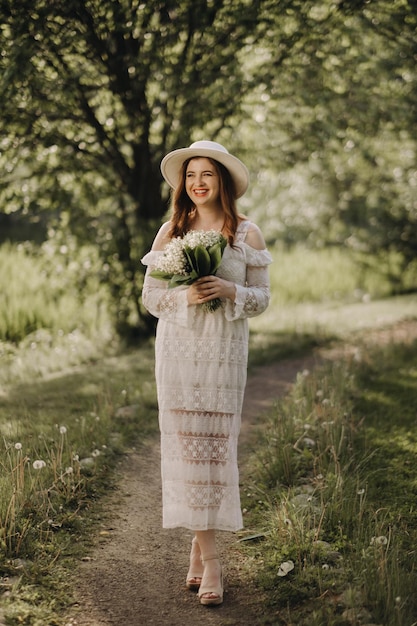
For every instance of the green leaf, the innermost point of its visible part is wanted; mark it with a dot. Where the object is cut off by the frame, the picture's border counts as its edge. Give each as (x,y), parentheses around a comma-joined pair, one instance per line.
(160,275)
(180,279)
(215,253)
(203,261)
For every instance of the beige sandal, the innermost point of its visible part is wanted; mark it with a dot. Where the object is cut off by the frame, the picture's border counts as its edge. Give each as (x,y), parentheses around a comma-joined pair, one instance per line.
(212,595)
(195,573)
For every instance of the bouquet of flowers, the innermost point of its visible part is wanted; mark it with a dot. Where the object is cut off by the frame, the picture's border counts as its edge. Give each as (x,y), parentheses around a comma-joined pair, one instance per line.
(185,259)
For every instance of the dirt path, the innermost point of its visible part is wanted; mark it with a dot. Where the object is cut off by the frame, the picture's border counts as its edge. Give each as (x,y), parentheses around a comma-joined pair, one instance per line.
(136,573)
(137,570)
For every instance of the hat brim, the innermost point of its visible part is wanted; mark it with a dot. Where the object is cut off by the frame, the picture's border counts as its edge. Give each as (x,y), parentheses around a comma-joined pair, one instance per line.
(171,166)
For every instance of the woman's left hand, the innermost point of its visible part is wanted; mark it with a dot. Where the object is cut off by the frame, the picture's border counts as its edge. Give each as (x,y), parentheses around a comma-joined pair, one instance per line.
(211,287)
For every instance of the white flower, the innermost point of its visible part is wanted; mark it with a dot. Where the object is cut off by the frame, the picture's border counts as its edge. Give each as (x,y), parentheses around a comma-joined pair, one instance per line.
(18,446)
(62,430)
(325,566)
(95,453)
(360,492)
(204,238)
(379,541)
(285,568)
(38,464)
(173,260)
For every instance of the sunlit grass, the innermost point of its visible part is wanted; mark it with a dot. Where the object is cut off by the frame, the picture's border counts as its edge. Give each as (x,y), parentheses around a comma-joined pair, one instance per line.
(60,439)
(59,400)
(52,287)
(333,491)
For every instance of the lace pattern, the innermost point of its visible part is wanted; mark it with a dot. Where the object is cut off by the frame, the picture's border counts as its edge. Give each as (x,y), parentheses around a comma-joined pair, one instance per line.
(199,469)
(200,367)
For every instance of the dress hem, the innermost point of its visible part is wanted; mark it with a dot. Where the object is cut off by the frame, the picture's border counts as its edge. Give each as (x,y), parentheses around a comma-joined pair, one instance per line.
(229,529)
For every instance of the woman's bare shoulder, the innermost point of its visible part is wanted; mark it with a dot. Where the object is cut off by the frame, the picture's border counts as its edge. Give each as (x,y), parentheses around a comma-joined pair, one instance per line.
(254,237)
(162,237)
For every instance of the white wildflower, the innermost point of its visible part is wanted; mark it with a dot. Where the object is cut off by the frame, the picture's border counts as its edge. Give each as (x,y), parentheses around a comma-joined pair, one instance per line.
(18,446)
(62,430)
(204,238)
(38,464)
(173,260)
(285,568)
(379,541)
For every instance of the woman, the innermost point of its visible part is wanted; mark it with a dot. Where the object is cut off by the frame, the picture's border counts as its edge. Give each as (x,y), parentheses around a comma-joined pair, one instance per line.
(201,357)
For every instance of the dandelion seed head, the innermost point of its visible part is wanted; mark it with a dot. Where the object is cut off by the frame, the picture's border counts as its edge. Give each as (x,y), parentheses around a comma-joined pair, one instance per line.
(18,446)
(379,541)
(95,453)
(325,566)
(38,464)
(69,470)
(75,457)
(63,430)
(360,492)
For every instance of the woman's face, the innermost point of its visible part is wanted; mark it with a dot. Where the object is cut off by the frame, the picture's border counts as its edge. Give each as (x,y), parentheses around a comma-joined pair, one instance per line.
(202,182)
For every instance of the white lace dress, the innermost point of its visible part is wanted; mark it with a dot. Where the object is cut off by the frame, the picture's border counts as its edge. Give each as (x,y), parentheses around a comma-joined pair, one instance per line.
(201,362)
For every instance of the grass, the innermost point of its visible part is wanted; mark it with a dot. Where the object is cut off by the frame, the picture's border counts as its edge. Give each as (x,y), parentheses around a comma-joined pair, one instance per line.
(60,440)
(54,309)
(333,495)
(61,435)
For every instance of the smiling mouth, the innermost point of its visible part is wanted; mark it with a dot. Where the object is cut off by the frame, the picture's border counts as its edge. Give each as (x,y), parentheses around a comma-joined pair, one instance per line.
(200,192)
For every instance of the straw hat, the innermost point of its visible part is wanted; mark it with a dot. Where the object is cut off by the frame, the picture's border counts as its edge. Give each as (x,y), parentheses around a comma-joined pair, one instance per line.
(172,162)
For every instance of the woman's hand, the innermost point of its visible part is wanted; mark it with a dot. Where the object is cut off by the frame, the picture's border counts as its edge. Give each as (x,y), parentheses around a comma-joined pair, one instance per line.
(210,287)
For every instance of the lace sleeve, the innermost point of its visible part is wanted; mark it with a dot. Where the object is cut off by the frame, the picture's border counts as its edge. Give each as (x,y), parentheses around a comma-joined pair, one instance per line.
(253,298)
(164,303)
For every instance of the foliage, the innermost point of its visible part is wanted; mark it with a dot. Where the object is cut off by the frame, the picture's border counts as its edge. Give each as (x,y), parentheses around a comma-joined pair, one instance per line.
(336,120)
(332,487)
(94,93)
(101,91)
(57,287)
(55,469)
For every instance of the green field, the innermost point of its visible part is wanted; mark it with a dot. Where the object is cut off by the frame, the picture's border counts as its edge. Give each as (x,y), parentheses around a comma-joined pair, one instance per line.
(64,376)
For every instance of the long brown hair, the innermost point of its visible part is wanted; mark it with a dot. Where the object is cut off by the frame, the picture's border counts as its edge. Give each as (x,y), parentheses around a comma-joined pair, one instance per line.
(183,208)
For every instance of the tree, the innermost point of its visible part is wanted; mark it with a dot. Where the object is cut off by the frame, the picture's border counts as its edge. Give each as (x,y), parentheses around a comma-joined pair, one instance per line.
(344,104)
(95,93)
